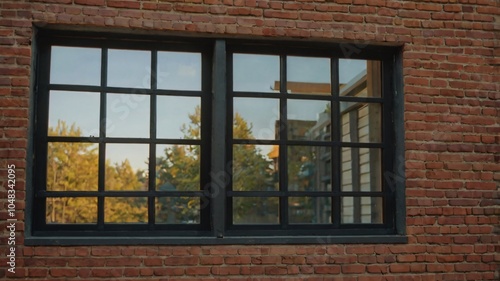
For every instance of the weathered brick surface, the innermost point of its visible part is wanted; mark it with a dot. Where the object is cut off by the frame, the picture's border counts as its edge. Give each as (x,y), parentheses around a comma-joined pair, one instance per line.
(452,120)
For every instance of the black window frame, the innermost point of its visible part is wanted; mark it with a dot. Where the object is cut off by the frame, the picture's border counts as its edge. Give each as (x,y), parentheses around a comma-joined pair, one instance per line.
(216,142)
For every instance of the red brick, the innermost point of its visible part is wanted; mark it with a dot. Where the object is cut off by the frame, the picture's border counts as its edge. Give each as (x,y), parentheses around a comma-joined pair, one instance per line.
(353,269)
(63,272)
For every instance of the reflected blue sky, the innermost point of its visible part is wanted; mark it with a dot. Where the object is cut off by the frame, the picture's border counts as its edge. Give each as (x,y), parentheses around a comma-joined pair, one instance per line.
(255,73)
(129,115)
(137,154)
(131,69)
(75,66)
(307,69)
(349,68)
(260,114)
(179,71)
(79,108)
(172,112)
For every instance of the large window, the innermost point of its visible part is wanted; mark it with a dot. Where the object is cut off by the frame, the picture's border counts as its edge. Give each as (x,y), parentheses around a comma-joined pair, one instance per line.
(212,141)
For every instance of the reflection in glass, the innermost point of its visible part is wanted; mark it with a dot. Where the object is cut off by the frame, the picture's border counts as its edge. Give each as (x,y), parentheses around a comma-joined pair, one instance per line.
(361,169)
(361,122)
(255,118)
(362,210)
(126,167)
(127,116)
(309,168)
(78,109)
(360,78)
(177,167)
(68,210)
(255,210)
(181,210)
(125,210)
(315,210)
(129,68)
(72,166)
(307,75)
(179,71)
(178,117)
(255,167)
(309,120)
(256,73)
(75,66)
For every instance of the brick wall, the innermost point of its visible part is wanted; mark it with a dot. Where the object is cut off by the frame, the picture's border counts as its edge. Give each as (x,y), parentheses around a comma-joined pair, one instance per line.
(452,102)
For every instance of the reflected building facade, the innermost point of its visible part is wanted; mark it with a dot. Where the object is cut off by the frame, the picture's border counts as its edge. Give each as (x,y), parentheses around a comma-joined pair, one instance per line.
(310,167)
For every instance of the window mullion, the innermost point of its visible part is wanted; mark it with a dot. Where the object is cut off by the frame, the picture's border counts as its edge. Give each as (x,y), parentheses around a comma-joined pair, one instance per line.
(152,143)
(283,153)
(102,144)
(336,149)
(218,145)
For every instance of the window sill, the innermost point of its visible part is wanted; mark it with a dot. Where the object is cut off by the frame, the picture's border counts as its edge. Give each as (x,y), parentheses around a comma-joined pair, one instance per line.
(234,240)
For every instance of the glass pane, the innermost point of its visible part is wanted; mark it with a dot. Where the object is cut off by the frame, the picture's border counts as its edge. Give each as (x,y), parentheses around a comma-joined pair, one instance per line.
(126,167)
(179,71)
(75,66)
(361,122)
(309,120)
(256,73)
(71,210)
(127,116)
(182,210)
(360,78)
(306,75)
(255,210)
(72,166)
(361,169)
(177,167)
(362,210)
(309,168)
(125,210)
(129,69)
(74,114)
(255,118)
(178,117)
(315,210)
(255,167)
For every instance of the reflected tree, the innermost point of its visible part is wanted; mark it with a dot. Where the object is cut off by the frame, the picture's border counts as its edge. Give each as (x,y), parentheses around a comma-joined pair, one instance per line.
(73,166)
